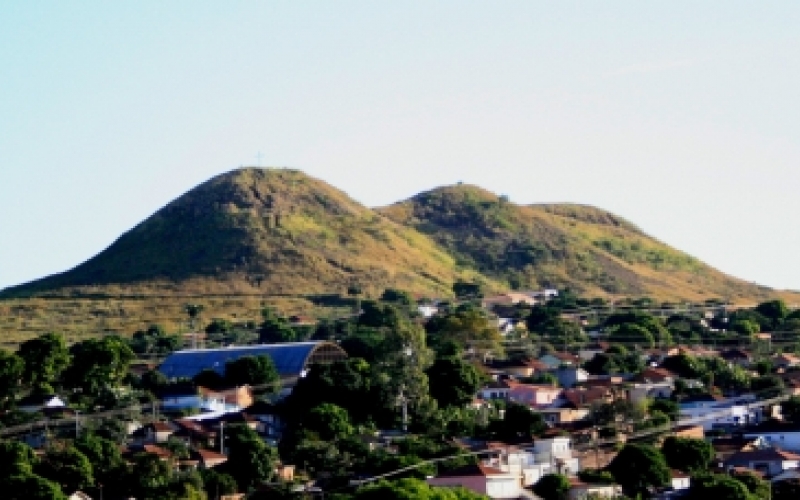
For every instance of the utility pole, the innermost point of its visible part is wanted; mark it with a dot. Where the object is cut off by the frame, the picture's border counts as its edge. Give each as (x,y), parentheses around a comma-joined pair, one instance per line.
(221,437)
(402,400)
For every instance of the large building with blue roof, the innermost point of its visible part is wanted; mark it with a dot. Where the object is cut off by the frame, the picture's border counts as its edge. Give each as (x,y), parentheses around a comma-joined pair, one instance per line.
(291,359)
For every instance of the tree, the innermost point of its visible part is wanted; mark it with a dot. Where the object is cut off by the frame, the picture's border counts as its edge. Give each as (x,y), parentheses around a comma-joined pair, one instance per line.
(412,489)
(251,370)
(209,378)
(654,326)
(552,487)
(98,364)
(149,476)
(16,458)
(103,454)
(519,422)
(275,328)
(45,358)
(329,422)
(465,291)
(193,311)
(346,384)
(68,467)
(786,490)
(467,327)
(684,365)
(790,409)
(217,483)
(718,486)
(453,382)
(250,460)
(687,454)
(757,486)
(775,310)
(666,406)
(12,368)
(401,297)
(638,467)
(154,340)
(767,386)
(29,487)
(631,334)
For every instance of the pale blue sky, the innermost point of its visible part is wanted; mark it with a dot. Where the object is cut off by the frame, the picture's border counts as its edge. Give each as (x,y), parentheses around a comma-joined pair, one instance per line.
(683,117)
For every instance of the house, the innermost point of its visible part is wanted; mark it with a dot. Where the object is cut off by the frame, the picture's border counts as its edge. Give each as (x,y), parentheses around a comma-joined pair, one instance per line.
(518,461)
(558,416)
(770,461)
(496,390)
(270,423)
(483,480)
(557,450)
(556,359)
(579,490)
(203,399)
(785,360)
(726,447)
(650,390)
(736,357)
(713,411)
(570,376)
(156,432)
(689,431)
(590,351)
(787,475)
(584,397)
(679,480)
(40,402)
(656,375)
(193,431)
(534,395)
(520,367)
(79,495)
(208,459)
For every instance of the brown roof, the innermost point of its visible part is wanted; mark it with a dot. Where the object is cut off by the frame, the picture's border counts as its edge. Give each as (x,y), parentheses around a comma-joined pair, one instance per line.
(473,470)
(157,450)
(566,356)
(582,397)
(206,455)
(678,474)
(162,427)
(656,374)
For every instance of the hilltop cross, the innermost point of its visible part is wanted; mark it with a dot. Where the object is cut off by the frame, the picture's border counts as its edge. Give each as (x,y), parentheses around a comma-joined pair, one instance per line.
(259,156)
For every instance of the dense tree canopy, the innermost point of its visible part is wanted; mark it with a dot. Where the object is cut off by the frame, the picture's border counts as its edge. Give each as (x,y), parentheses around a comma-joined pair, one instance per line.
(687,454)
(46,357)
(552,487)
(252,371)
(638,467)
(453,382)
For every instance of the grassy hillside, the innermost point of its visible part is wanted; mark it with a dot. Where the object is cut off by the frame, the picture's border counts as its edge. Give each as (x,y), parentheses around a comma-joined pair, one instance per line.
(250,231)
(585,248)
(278,236)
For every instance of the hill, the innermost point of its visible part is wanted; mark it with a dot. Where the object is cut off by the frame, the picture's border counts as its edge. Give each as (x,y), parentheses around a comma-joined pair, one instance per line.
(279,232)
(587,249)
(258,231)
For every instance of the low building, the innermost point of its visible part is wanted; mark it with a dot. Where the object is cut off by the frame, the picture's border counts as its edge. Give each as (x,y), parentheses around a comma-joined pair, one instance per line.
(579,490)
(770,461)
(40,402)
(570,376)
(483,480)
(534,395)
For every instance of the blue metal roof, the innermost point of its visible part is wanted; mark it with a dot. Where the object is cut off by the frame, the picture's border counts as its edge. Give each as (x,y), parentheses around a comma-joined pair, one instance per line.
(289,358)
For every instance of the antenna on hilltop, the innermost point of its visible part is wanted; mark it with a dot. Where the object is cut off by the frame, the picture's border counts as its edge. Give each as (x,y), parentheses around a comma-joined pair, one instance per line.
(259,157)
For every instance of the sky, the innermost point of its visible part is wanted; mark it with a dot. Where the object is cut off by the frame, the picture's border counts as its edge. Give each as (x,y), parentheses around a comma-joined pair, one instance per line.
(681,116)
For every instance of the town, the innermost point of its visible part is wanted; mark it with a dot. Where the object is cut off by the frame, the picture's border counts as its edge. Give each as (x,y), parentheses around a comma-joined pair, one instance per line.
(527,394)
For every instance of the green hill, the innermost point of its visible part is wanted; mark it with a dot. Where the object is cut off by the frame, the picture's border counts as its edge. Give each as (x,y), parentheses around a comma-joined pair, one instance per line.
(280,232)
(259,231)
(582,247)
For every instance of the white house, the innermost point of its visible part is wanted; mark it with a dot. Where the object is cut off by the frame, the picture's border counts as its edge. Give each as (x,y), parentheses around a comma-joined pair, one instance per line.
(770,461)
(717,412)
(558,452)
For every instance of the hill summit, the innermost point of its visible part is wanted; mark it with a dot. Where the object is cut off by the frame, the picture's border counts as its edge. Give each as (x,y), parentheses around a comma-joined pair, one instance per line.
(282,232)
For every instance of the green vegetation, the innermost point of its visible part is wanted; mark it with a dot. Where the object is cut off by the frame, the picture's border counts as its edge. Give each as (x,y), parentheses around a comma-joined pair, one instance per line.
(273,237)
